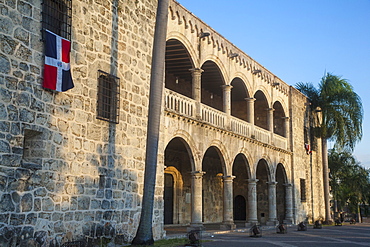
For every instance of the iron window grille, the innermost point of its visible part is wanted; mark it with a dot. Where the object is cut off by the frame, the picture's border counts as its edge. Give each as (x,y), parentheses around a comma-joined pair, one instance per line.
(108,97)
(303,189)
(57,17)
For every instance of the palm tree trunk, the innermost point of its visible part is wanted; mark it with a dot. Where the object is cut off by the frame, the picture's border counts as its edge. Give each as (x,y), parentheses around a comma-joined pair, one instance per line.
(144,234)
(325,170)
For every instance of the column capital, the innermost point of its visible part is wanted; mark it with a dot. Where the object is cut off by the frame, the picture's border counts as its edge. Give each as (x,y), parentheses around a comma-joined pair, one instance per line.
(250,99)
(228,178)
(227,87)
(252,180)
(285,118)
(198,174)
(288,185)
(272,183)
(270,109)
(196,70)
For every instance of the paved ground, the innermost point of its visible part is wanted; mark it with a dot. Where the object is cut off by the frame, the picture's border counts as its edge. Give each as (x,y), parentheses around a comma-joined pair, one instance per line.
(338,236)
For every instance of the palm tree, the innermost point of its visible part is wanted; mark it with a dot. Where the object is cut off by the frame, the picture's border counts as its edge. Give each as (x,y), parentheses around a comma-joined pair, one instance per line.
(349,180)
(341,113)
(144,234)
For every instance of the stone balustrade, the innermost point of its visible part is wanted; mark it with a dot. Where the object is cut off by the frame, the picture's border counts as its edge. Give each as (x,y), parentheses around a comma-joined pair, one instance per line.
(182,105)
(213,116)
(179,103)
(280,141)
(262,135)
(240,127)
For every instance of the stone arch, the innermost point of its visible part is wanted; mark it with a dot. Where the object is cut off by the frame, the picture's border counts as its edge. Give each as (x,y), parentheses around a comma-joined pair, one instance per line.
(282,181)
(264,177)
(178,78)
(212,82)
(213,165)
(246,81)
(241,172)
(187,44)
(239,94)
(218,62)
(283,103)
(172,196)
(279,119)
(223,153)
(178,163)
(287,170)
(249,159)
(191,148)
(265,92)
(243,160)
(261,107)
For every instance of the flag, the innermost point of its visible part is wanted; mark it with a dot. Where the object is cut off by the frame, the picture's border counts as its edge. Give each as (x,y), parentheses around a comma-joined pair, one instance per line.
(57,73)
(308,148)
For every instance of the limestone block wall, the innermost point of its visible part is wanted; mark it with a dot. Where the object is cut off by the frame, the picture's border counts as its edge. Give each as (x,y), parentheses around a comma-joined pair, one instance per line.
(65,175)
(305,166)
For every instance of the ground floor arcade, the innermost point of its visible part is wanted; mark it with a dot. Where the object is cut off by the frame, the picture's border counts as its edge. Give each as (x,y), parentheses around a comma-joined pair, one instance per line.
(206,189)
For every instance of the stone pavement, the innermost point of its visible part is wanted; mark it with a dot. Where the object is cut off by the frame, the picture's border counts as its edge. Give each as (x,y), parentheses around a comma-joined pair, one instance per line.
(338,236)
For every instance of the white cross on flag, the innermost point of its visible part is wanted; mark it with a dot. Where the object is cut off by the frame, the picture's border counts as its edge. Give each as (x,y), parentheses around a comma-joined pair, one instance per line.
(57,73)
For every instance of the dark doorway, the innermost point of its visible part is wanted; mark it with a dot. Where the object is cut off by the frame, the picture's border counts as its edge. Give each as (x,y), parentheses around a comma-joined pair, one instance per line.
(168,199)
(240,208)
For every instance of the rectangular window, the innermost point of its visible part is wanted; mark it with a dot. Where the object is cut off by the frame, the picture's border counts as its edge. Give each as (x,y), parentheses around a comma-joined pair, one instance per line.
(108,97)
(303,190)
(57,17)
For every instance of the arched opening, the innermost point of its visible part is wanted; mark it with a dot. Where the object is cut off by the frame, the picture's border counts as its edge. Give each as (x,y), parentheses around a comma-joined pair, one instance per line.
(240,208)
(177,182)
(241,171)
(212,81)
(168,198)
(262,175)
(239,105)
(213,164)
(281,192)
(279,121)
(260,110)
(178,78)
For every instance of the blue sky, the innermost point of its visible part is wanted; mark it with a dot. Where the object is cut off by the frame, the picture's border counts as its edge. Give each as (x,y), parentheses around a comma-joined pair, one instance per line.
(299,40)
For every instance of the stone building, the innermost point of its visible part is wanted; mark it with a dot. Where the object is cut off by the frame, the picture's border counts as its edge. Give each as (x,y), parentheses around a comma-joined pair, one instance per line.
(232,141)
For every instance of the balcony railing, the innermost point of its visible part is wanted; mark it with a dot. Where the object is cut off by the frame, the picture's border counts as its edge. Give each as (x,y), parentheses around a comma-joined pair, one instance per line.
(280,141)
(240,127)
(213,116)
(262,135)
(182,105)
(179,103)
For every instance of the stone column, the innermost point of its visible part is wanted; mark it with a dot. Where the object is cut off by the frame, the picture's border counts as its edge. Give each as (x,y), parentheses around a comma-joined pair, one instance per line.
(270,123)
(252,202)
(288,203)
(250,117)
(227,98)
(272,203)
(228,222)
(250,107)
(286,126)
(196,189)
(270,119)
(226,89)
(196,74)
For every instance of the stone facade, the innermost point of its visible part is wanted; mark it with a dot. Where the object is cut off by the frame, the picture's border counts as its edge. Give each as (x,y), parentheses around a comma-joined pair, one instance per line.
(234,149)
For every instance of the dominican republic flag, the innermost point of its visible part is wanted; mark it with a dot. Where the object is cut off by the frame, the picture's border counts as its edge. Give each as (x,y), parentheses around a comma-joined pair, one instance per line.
(57,73)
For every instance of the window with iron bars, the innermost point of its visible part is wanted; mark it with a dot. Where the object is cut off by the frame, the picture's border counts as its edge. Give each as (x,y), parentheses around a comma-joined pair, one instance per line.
(303,189)
(57,17)
(108,97)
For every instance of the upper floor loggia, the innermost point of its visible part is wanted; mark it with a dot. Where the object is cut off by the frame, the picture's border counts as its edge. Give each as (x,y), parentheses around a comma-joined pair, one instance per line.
(203,94)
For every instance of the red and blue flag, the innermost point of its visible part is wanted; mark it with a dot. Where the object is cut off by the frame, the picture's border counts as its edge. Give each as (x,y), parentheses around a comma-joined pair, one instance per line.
(57,72)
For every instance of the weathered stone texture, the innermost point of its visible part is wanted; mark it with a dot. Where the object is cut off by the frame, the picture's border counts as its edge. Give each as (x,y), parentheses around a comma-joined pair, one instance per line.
(64,174)
(58,181)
